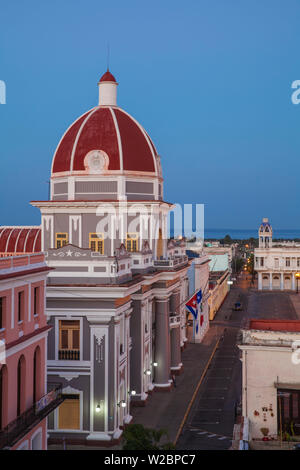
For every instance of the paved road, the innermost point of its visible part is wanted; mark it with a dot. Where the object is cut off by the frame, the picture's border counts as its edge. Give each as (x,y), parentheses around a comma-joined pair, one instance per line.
(210,422)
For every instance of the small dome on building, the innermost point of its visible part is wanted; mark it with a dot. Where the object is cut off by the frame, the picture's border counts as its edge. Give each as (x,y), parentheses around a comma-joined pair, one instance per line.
(107,77)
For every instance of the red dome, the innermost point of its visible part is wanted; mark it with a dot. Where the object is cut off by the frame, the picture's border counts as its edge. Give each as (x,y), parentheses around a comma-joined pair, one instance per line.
(111,130)
(108,77)
(20,239)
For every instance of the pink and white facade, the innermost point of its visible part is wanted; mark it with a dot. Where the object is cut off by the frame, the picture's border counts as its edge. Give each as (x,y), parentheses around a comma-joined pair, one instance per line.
(23,337)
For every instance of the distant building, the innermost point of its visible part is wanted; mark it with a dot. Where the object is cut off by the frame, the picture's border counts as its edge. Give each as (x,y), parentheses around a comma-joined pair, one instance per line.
(271,377)
(275,263)
(24,402)
(221,255)
(198,275)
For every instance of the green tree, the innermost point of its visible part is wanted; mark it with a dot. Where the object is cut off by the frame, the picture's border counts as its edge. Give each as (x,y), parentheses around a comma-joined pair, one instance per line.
(227,240)
(137,437)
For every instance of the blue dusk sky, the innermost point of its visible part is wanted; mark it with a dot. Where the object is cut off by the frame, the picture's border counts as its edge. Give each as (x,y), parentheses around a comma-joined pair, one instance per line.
(210,80)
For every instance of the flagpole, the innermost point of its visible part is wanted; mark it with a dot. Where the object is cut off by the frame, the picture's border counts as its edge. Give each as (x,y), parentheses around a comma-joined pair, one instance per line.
(194,329)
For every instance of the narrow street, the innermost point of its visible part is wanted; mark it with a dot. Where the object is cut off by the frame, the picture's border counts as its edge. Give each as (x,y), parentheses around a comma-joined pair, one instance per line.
(210,423)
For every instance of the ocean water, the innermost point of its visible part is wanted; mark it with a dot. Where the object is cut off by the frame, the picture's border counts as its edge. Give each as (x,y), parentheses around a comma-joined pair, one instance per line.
(244,234)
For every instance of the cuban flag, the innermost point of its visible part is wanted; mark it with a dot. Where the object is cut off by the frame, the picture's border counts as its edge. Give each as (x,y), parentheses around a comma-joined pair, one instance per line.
(193,306)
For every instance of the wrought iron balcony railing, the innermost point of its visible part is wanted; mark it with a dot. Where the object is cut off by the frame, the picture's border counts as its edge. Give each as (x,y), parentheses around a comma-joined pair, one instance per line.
(18,428)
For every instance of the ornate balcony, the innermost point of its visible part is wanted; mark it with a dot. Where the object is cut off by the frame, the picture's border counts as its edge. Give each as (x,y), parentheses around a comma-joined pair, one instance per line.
(18,428)
(69,355)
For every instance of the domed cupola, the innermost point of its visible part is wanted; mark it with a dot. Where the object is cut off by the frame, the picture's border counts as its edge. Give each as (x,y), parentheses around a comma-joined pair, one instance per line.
(265,234)
(106,155)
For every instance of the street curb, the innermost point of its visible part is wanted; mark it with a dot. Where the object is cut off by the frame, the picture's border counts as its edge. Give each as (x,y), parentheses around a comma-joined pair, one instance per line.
(195,393)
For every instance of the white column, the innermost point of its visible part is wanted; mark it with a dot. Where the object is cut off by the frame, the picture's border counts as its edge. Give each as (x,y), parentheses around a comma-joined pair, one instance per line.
(281,281)
(259,281)
(271,281)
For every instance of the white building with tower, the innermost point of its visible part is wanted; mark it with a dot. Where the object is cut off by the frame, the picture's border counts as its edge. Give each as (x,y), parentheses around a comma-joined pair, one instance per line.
(276,263)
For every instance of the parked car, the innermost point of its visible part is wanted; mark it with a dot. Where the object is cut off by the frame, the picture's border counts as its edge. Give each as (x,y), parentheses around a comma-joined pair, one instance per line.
(237,306)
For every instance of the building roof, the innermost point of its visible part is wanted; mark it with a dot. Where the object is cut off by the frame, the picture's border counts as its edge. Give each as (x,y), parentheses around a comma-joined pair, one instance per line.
(275,325)
(114,132)
(107,77)
(15,240)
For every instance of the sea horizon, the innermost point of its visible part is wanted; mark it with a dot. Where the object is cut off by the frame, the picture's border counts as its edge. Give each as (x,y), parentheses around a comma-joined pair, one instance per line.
(214,233)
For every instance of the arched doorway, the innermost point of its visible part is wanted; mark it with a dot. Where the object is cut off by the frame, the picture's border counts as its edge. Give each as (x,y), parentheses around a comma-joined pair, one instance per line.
(160,248)
(36,386)
(287,283)
(21,389)
(276,282)
(3,396)
(265,282)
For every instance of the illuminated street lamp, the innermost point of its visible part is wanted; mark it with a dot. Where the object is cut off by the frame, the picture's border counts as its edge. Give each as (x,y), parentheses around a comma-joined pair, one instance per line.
(297,276)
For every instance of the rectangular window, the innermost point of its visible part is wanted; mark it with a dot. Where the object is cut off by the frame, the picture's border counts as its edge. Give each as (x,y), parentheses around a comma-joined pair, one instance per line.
(61,239)
(20,306)
(96,242)
(132,242)
(288,410)
(298,262)
(69,340)
(287,262)
(276,264)
(261,261)
(36,301)
(69,413)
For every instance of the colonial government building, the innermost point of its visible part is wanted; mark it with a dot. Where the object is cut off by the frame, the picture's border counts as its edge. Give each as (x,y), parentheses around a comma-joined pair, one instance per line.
(116,296)
(277,263)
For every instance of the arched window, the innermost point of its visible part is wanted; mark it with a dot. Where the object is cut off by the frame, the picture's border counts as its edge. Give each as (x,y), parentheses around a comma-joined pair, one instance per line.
(3,396)
(21,390)
(36,395)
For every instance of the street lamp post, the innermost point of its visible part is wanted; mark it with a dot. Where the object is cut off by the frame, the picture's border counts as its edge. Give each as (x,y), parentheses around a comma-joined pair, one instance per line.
(297,276)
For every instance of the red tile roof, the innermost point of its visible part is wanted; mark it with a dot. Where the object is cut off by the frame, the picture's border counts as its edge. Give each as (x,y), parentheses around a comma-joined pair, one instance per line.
(112,130)
(108,77)
(20,240)
(275,325)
